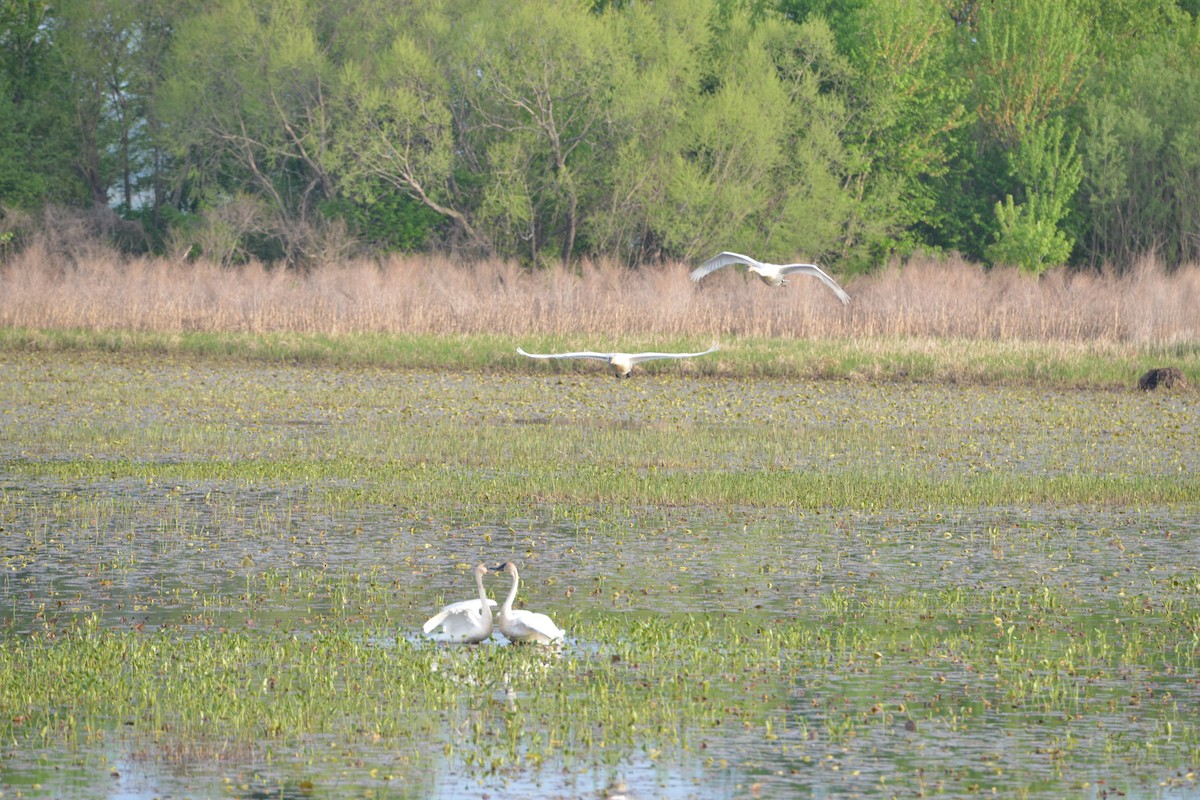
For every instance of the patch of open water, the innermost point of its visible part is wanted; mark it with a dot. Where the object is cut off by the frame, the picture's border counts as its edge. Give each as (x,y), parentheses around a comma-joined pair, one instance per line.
(123,549)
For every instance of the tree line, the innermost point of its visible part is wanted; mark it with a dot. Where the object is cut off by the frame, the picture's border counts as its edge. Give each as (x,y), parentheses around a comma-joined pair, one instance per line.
(850,132)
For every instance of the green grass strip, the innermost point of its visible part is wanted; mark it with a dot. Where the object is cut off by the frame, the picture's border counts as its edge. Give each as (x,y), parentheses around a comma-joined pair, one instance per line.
(1061,364)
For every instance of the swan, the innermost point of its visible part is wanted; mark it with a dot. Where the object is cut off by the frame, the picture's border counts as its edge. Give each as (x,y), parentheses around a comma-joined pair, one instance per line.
(519,625)
(467,620)
(771,274)
(620,363)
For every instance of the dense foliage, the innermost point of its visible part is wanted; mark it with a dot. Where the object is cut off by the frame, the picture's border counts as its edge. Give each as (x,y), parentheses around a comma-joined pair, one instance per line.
(1014,132)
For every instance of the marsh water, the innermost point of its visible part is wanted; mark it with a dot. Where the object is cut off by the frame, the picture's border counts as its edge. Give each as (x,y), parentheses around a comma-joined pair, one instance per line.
(130,502)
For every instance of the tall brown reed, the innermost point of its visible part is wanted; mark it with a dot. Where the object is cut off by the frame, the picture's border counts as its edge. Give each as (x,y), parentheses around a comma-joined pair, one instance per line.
(942,298)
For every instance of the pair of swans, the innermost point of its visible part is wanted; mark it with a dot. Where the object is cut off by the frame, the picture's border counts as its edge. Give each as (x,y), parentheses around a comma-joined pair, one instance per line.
(471,620)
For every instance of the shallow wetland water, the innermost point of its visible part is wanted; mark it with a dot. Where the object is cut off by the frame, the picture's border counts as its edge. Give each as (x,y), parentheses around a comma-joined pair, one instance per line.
(214,577)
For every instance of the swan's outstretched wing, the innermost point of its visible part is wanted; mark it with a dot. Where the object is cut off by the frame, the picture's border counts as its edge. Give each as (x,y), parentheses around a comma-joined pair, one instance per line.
(457,619)
(816,272)
(582,354)
(727,258)
(722,260)
(637,358)
(528,626)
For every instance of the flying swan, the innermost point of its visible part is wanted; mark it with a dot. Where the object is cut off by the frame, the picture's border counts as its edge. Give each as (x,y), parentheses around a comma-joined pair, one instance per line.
(771,274)
(467,620)
(519,625)
(620,363)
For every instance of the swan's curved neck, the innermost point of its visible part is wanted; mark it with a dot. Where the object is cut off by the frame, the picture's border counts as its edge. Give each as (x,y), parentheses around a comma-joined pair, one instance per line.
(483,603)
(512,594)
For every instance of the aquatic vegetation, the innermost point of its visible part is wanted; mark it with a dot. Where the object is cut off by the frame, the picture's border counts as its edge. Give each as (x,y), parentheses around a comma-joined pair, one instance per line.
(213,576)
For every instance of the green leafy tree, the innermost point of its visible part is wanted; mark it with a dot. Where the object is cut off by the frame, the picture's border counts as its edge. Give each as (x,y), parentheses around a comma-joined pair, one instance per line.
(656,82)
(389,221)
(730,145)
(809,210)
(395,134)
(1026,62)
(247,108)
(1122,29)
(114,52)
(756,162)
(93,37)
(1047,165)
(38,151)
(534,118)
(1142,154)
(908,109)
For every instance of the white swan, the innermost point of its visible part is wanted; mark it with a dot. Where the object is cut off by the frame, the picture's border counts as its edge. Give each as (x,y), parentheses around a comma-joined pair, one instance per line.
(620,363)
(771,274)
(468,620)
(519,625)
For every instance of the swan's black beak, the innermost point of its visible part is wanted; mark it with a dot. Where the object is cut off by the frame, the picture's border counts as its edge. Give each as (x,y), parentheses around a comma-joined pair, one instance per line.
(497,568)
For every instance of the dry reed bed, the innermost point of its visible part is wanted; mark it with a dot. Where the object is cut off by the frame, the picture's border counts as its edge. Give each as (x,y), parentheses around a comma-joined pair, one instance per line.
(430,295)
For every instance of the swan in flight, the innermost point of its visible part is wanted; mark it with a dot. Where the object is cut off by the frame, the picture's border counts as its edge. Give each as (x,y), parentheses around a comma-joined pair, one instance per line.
(519,625)
(467,620)
(620,363)
(771,274)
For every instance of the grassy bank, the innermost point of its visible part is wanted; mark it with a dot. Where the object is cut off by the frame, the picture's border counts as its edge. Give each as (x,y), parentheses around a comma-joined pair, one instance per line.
(1066,364)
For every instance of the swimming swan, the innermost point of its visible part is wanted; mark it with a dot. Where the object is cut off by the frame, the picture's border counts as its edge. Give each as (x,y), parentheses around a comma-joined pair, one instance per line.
(468,620)
(771,274)
(620,363)
(519,625)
